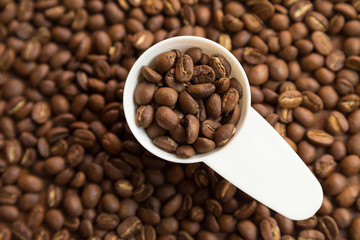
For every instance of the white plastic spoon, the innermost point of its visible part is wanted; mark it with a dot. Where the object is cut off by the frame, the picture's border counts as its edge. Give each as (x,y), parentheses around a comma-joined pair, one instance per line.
(257,159)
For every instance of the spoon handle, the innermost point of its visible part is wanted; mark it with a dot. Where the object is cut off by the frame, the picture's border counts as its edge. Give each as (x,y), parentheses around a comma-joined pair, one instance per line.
(261,163)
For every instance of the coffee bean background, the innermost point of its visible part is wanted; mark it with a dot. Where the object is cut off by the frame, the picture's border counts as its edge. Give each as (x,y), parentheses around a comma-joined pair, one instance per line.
(71,169)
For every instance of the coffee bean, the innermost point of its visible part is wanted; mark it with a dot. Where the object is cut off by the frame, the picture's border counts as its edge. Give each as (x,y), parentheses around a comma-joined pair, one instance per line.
(335,60)
(5,232)
(325,166)
(185,151)
(54,165)
(224,133)
(9,213)
(290,99)
(84,137)
(111,143)
(144,93)
(311,234)
(230,100)
(144,116)
(222,85)
(166,118)
(107,221)
(129,227)
(150,75)
(354,232)
(269,228)
(179,134)
(259,74)
(304,116)
(254,56)
(165,143)
(319,137)
(247,229)
(36,216)
(188,104)
(91,195)
(335,184)
(164,61)
(348,196)
(317,21)
(203,74)
(20,230)
(201,90)
(11,174)
(234,116)
(224,191)
(220,65)
(349,103)
(13,151)
(322,42)
(328,226)
(73,206)
(203,145)
(192,128)
(184,68)
(349,166)
(166,96)
(30,183)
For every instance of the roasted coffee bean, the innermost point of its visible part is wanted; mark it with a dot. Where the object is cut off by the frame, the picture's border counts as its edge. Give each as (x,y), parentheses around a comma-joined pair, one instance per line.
(279,70)
(150,75)
(91,195)
(222,85)
(178,134)
(201,90)
(224,133)
(220,65)
(188,104)
(311,234)
(107,221)
(312,101)
(328,226)
(30,183)
(224,191)
(230,100)
(144,93)
(325,166)
(166,96)
(185,151)
(164,61)
(166,118)
(184,70)
(203,74)
(203,145)
(269,228)
(209,127)
(254,56)
(319,137)
(9,213)
(20,230)
(192,128)
(290,99)
(349,166)
(144,116)
(129,227)
(308,223)
(165,143)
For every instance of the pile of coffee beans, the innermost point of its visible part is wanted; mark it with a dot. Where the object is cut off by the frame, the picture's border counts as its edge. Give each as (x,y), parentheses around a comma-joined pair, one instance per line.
(71,169)
(190,97)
